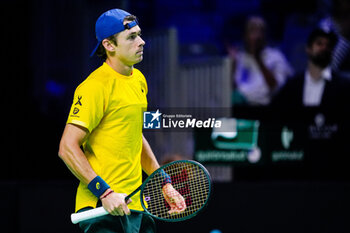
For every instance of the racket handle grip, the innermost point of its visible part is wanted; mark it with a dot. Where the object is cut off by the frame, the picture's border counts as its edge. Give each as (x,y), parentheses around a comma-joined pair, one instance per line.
(89,214)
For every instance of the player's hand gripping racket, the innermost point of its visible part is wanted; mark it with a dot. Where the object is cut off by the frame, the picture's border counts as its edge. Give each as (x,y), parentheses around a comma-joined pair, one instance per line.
(189,178)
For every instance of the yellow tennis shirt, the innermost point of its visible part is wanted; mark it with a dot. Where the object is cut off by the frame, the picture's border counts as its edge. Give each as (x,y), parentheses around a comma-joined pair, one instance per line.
(110,106)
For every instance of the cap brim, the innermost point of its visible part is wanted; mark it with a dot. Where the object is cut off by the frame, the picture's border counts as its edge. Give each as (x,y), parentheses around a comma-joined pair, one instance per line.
(94,51)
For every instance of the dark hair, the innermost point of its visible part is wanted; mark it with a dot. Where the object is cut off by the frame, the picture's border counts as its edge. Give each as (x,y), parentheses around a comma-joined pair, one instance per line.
(101,51)
(318,32)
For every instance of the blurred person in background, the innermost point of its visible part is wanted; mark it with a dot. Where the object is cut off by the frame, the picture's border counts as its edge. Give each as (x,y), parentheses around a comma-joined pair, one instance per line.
(316,103)
(339,22)
(259,71)
(319,85)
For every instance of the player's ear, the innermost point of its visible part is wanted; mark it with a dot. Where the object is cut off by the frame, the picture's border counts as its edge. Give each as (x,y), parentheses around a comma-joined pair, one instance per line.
(108,45)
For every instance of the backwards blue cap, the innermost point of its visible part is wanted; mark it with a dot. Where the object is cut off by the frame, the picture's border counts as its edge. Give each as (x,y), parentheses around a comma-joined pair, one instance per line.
(110,23)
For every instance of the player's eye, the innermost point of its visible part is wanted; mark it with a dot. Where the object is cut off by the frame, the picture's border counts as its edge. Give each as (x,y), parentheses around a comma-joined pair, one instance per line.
(132,37)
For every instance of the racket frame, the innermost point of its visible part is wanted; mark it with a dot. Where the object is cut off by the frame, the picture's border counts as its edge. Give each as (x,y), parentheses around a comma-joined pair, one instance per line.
(142,186)
(100,211)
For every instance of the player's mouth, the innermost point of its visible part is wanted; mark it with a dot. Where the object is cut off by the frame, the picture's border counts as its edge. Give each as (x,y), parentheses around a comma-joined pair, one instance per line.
(140,52)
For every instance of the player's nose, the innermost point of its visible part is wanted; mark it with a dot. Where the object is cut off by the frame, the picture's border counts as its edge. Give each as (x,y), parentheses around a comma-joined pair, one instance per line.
(142,42)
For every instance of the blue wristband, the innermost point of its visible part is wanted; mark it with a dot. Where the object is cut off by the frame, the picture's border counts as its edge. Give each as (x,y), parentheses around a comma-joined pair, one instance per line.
(166,177)
(98,186)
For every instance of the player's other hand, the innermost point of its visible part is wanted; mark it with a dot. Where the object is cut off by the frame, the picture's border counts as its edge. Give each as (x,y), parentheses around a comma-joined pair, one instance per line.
(115,204)
(175,200)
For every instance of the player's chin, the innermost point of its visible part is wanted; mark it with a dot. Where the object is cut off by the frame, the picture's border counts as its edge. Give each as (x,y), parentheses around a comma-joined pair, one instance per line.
(138,59)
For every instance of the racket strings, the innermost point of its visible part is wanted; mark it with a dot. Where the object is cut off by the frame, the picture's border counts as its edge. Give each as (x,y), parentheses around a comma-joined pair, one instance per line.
(188,179)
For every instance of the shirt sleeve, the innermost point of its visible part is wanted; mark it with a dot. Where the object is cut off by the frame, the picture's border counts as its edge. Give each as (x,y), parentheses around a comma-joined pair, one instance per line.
(88,105)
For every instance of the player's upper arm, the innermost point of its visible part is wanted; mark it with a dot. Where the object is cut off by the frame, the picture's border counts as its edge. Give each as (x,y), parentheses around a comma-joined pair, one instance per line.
(88,105)
(73,136)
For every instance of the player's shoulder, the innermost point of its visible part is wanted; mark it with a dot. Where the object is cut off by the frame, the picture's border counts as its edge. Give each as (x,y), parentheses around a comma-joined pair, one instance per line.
(94,82)
(137,72)
(90,87)
(100,77)
(102,74)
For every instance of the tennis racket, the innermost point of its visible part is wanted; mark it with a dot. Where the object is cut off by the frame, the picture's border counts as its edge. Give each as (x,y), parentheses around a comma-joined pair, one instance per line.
(189,178)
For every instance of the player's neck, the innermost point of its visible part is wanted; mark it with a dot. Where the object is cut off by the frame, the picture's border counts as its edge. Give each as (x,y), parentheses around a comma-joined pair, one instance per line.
(119,67)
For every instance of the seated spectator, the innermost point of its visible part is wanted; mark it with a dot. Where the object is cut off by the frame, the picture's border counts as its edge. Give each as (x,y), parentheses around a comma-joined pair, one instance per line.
(318,86)
(259,70)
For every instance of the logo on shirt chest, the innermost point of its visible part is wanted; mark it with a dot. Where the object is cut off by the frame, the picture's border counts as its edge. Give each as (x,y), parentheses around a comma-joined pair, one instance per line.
(143,87)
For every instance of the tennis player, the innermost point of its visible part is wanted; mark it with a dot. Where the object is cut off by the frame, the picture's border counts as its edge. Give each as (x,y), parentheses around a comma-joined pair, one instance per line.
(106,120)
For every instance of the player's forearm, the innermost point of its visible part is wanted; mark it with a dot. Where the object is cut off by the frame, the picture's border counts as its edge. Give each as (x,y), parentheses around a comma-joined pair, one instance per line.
(148,159)
(77,162)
